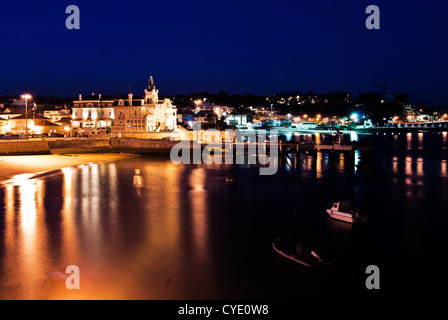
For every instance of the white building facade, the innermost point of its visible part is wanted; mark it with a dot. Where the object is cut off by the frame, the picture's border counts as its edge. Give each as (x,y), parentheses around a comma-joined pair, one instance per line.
(141,115)
(92,115)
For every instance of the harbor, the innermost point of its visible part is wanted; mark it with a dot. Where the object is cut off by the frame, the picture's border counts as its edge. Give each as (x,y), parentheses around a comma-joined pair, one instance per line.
(118,221)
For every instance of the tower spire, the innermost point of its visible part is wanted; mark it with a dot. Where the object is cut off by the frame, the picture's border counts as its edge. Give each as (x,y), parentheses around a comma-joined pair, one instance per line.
(151,84)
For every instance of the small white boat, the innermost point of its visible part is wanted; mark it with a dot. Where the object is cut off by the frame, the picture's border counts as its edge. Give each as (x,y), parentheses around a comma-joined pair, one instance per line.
(341,211)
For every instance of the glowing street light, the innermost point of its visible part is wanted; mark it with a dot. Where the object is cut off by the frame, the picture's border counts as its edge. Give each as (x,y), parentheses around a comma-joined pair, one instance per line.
(197,102)
(26,97)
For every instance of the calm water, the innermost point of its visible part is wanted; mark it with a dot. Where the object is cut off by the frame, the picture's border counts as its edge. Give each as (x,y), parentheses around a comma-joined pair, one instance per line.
(184,233)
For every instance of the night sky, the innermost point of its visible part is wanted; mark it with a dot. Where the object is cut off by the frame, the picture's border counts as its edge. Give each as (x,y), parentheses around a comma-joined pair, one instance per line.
(257,47)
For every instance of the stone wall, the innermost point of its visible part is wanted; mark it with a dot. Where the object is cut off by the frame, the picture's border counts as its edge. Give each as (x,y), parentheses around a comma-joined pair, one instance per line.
(149,146)
(23,147)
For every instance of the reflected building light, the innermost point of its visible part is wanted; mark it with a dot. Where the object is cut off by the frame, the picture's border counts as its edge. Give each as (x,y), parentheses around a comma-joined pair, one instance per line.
(420,140)
(318,138)
(198,202)
(319,173)
(10,219)
(420,166)
(357,158)
(443,168)
(341,161)
(95,187)
(113,191)
(308,163)
(138,181)
(408,165)
(20,179)
(28,215)
(69,236)
(409,141)
(395,164)
(85,191)
(68,196)
(197,180)
(353,136)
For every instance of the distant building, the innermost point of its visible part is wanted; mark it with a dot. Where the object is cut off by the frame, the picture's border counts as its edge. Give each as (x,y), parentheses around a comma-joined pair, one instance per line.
(334,97)
(18,125)
(185,117)
(399,98)
(369,98)
(206,117)
(239,118)
(91,115)
(146,114)
(56,115)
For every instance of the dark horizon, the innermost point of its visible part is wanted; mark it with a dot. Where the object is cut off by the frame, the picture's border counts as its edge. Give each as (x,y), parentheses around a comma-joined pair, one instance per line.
(261,48)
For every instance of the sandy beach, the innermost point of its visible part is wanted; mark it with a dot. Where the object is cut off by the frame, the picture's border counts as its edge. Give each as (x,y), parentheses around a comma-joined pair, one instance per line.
(34,164)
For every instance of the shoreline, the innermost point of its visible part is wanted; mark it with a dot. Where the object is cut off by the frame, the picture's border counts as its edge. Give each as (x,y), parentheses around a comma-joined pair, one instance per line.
(40,165)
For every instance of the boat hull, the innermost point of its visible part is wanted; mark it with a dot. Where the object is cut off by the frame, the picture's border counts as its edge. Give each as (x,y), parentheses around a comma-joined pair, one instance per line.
(341,216)
(310,262)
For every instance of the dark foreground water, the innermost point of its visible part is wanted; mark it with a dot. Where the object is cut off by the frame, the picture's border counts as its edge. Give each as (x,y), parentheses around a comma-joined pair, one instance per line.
(184,233)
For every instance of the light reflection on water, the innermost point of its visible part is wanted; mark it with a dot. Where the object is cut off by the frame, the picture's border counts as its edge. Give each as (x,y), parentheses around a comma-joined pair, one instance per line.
(182,232)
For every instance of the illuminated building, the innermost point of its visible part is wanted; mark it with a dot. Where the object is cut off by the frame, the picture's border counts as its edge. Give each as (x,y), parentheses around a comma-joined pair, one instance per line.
(92,115)
(145,114)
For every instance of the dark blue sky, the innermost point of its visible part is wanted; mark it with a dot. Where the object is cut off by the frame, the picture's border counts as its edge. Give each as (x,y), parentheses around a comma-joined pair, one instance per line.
(240,46)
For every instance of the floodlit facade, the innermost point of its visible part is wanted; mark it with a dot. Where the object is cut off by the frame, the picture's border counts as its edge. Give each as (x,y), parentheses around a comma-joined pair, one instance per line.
(146,114)
(92,115)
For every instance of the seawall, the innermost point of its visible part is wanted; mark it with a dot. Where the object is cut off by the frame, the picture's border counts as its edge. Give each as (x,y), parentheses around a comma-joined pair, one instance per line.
(54,146)
(80,145)
(24,147)
(86,145)
(144,146)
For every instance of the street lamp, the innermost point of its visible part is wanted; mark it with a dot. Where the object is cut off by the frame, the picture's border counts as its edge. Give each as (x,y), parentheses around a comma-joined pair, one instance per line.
(26,97)
(197,102)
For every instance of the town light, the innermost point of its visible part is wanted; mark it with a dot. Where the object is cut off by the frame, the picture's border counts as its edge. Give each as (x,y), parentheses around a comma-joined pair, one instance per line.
(354,117)
(26,97)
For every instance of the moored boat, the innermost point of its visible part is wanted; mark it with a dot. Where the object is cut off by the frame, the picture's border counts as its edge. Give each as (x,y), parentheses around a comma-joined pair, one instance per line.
(298,253)
(341,211)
